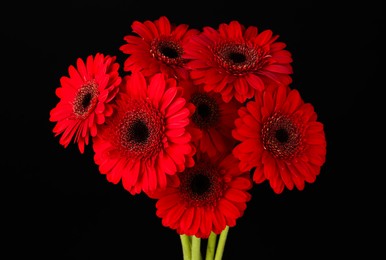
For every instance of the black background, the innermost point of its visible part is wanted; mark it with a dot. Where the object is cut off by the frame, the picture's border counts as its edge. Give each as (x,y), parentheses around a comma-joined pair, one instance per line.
(57,205)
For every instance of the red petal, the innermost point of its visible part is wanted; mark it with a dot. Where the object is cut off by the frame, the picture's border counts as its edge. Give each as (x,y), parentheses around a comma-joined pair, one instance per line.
(167,98)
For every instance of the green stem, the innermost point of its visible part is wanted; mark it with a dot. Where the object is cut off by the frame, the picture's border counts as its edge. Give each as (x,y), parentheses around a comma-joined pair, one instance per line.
(186,247)
(210,248)
(196,248)
(221,244)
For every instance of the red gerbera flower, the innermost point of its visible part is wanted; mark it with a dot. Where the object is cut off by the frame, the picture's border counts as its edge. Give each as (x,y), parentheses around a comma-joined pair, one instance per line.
(146,139)
(157,47)
(213,120)
(207,198)
(85,99)
(237,61)
(280,139)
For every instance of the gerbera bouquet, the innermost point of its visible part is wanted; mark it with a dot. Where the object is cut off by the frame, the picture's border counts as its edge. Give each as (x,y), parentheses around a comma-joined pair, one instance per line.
(194,120)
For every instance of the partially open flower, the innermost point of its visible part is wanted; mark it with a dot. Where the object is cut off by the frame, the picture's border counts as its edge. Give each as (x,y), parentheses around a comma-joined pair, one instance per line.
(212,121)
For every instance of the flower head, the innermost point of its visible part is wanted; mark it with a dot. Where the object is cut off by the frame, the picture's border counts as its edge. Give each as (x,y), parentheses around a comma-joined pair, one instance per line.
(146,139)
(206,198)
(212,121)
(85,99)
(280,139)
(157,46)
(237,61)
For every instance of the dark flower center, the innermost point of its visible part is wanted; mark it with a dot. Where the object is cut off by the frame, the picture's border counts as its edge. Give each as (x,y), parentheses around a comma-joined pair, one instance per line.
(138,131)
(141,130)
(207,110)
(201,185)
(85,100)
(282,136)
(239,58)
(167,50)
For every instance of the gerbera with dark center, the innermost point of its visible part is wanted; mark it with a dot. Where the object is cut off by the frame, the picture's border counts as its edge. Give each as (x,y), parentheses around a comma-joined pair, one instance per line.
(157,46)
(146,139)
(280,139)
(237,61)
(206,198)
(213,120)
(85,99)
